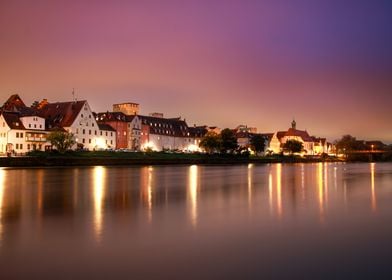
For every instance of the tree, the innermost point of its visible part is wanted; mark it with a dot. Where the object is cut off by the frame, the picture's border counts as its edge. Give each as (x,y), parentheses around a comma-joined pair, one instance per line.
(348,143)
(211,142)
(293,146)
(229,141)
(62,140)
(257,143)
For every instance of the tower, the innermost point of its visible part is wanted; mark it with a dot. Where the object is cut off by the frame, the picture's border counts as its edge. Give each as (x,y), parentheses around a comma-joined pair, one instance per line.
(294,124)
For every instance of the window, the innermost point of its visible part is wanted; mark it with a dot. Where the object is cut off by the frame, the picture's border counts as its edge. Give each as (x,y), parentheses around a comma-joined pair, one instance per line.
(21,135)
(83,140)
(40,147)
(17,146)
(29,124)
(77,130)
(89,141)
(111,142)
(28,147)
(84,131)
(21,146)
(111,133)
(17,136)
(89,132)
(92,124)
(106,133)
(101,132)
(35,126)
(95,132)
(40,126)
(81,115)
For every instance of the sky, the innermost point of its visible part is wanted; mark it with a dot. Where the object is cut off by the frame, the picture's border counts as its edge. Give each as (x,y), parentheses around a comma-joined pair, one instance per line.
(328,64)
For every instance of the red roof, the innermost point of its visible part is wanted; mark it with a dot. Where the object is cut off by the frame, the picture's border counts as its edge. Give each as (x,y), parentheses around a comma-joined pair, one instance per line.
(61,114)
(12,120)
(299,133)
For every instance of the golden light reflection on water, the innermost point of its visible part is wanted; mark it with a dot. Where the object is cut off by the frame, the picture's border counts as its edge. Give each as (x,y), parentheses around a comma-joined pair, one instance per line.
(2,187)
(99,178)
(193,185)
(373,188)
(279,189)
(320,185)
(270,193)
(40,190)
(250,184)
(147,191)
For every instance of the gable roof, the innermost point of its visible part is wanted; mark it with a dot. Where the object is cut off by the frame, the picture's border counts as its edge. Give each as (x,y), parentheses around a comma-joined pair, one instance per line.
(61,114)
(299,133)
(12,120)
(15,104)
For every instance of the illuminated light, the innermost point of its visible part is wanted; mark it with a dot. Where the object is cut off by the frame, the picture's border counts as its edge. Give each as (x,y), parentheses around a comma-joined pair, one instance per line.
(193,148)
(100,143)
(279,189)
(373,188)
(2,188)
(193,184)
(149,145)
(99,177)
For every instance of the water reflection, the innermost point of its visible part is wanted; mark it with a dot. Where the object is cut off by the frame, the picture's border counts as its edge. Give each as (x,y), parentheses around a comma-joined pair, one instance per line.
(250,184)
(320,184)
(31,197)
(373,189)
(193,185)
(147,191)
(99,178)
(279,189)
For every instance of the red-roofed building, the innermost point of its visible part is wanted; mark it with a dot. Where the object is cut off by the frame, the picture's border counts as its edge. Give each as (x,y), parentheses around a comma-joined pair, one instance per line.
(23,128)
(311,144)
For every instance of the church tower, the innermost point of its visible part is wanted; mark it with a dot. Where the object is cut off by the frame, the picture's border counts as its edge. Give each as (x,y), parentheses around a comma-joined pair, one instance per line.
(294,124)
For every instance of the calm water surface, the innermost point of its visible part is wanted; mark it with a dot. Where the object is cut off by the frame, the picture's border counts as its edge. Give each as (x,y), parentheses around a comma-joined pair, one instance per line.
(307,221)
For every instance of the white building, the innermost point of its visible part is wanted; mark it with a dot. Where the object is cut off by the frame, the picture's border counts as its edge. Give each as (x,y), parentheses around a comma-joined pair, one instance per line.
(23,128)
(77,117)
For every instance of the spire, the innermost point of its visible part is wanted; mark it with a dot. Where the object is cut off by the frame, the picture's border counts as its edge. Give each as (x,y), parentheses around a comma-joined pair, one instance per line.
(294,124)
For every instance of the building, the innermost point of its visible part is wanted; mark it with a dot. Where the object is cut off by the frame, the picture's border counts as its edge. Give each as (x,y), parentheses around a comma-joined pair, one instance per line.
(311,144)
(128,108)
(127,127)
(77,117)
(19,135)
(158,133)
(25,128)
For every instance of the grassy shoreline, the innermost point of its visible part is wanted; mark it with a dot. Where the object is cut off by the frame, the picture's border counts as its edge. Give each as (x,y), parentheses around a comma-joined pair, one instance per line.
(41,159)
(107,158)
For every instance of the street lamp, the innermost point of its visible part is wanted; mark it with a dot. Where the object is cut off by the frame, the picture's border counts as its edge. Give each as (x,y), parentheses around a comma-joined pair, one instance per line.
(372,148)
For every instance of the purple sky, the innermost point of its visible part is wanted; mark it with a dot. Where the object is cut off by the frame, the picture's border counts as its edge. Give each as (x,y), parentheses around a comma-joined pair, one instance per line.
(260,63)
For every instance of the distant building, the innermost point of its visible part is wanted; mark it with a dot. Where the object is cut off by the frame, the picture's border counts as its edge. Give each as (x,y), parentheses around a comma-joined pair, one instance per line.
(160,133)
(128,108)
(128,128)
(311,144)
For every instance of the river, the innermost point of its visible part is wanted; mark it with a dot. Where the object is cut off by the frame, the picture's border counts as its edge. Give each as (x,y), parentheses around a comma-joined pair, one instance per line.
(273,221)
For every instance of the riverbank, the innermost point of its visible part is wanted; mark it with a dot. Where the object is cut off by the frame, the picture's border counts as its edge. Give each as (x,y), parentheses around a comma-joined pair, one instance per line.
(124,158)
(45,159)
